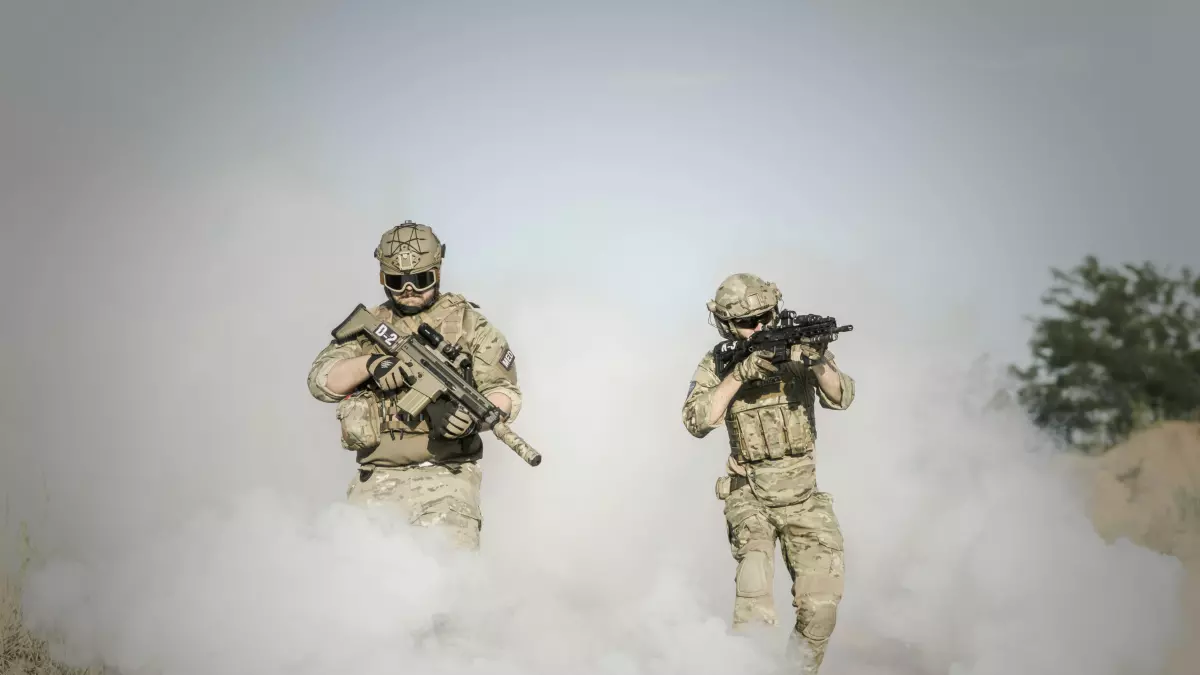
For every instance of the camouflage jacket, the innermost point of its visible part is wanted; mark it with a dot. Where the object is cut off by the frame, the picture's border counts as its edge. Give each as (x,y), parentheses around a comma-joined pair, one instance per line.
(771,424)
(373,429)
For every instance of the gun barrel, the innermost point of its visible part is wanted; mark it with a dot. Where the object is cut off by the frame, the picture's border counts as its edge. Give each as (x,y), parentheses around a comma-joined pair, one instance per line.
(511,439)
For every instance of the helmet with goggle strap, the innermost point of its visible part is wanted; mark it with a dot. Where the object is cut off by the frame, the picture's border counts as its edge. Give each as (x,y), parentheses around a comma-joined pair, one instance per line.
(409,254)
(744,301)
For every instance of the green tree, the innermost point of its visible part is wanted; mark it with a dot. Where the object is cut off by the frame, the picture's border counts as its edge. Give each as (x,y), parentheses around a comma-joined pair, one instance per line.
(1122,352)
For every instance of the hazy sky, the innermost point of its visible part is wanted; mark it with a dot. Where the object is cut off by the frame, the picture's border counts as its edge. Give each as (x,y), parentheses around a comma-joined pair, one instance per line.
(190,194)
(951,154)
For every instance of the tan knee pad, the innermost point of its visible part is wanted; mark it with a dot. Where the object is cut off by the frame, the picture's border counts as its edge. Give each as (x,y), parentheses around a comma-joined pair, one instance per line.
(754,575)
(816,616)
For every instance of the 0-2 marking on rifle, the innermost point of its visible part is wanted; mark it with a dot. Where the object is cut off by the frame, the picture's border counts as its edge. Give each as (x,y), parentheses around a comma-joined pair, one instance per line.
(390,337)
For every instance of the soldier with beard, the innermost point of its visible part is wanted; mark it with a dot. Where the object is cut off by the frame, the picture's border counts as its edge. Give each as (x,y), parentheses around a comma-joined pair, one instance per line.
(428,465)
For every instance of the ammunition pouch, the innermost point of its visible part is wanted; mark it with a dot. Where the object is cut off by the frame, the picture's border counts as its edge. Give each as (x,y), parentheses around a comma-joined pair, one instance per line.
(729,484)
(722,488)
(778,424)
(360,417)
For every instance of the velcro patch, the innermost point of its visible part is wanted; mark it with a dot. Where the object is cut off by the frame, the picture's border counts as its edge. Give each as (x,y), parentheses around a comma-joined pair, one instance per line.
(383,365)
(507,359)
(691,387)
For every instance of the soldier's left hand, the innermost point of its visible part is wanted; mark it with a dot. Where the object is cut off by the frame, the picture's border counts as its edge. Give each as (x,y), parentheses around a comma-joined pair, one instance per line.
(459,423)
(807,355)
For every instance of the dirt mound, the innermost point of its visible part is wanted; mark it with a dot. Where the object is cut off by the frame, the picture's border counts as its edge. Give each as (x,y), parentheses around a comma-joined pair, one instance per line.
(1148,490)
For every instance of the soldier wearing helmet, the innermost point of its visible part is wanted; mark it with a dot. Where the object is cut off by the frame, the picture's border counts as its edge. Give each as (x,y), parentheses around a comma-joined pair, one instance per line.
(427,466)
(770,488)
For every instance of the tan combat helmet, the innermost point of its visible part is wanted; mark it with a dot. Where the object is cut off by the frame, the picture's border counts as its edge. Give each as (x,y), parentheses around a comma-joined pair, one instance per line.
(740,296)
(409,254)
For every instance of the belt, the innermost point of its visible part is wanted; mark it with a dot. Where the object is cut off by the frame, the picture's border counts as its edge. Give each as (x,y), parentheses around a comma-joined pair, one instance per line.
(365,471)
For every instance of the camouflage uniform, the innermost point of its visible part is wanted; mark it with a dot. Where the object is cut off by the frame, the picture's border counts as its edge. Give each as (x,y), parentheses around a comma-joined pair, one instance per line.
(770,490)
(435,480)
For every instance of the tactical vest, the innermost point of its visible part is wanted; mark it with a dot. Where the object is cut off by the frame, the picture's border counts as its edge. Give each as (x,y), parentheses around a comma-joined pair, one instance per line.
(395,440)
(772,418)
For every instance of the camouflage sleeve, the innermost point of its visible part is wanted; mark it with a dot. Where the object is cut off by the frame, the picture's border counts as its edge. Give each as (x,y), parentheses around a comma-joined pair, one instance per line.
(847,388)
(698,404)
(319,372)
(494,363)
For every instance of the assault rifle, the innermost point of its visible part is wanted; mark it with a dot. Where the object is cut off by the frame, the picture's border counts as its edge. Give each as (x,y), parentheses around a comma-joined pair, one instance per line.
(438,369)
(777,341)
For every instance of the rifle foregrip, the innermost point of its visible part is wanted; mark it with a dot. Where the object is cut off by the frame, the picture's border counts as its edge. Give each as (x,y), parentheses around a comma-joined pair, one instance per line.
(518,444)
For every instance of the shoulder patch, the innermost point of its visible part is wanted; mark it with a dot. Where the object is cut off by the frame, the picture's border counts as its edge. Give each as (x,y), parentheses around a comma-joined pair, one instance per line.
(691,388)
(473,304)
(507,358)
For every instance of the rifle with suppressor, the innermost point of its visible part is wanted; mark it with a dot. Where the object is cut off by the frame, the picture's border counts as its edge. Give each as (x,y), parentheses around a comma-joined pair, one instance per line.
(777,341)
(437,369)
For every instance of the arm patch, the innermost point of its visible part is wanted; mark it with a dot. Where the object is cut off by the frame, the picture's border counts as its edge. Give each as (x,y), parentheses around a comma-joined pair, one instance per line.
(507,358)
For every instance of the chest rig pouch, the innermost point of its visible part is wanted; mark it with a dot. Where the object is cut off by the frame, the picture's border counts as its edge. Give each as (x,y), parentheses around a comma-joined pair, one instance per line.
(360,416)
(772,418)
(367,415)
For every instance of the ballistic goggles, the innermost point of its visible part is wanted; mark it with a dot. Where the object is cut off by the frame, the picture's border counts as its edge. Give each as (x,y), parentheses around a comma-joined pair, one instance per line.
(419,282)
(750,322)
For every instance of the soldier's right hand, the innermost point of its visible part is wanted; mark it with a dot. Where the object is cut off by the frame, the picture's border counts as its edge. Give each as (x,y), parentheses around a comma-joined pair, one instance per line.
(756,366)
(388,372)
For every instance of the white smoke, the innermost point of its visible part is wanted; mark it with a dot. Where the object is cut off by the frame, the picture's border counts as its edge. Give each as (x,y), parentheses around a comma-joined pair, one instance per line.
(969,544)
(967,551)
(263,587)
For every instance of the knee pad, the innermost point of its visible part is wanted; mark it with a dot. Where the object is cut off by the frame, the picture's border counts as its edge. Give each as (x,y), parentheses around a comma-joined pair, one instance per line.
(754,575)
(816,616)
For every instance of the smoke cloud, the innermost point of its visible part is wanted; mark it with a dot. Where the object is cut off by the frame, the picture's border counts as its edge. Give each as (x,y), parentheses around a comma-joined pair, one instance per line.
(190,204)
(226,551)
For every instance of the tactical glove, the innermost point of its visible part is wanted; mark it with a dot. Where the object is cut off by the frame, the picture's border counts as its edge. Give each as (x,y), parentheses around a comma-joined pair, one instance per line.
(756,366)
(807,355)
(449,420)
(388,372)
(459,424)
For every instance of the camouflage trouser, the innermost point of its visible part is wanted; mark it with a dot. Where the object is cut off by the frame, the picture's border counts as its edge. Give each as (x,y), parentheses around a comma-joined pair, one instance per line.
(439,496)
(811,539)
